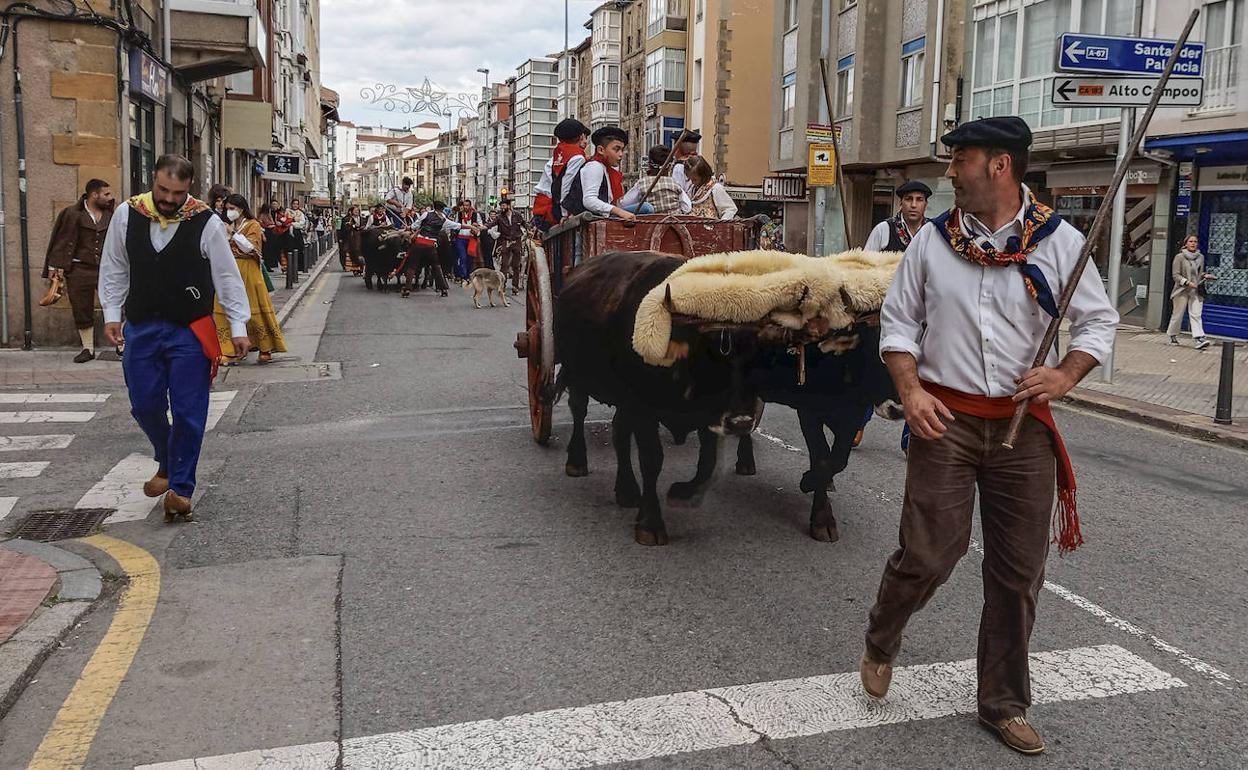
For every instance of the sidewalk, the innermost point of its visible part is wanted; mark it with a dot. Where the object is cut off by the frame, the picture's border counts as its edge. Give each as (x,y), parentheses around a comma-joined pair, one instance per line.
(54,366)
(1172,387)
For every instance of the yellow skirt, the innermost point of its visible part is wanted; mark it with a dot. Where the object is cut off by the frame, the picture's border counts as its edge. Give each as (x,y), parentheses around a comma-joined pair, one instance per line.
(263,330)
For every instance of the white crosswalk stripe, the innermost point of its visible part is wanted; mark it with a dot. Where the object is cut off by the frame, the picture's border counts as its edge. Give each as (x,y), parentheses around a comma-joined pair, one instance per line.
(27,470)
(700,720)
(25,418)
(53,398)
(35,443)
(122,487)
(6,506)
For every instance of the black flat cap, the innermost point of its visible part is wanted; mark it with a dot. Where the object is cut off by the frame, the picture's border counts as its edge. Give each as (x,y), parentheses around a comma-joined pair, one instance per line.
(607,133)
(689,135)
(570,129)
(1006,132)
(914,185)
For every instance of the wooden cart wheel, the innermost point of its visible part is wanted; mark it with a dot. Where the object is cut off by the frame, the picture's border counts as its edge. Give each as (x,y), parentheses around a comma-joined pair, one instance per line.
(537,344)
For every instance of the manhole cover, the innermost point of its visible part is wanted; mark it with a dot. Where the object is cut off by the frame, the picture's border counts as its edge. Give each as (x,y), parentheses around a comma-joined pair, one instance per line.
(46,526)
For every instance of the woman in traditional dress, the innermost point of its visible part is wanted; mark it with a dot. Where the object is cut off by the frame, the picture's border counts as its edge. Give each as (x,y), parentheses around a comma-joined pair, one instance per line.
(349,242)
(710,199)
(247,242)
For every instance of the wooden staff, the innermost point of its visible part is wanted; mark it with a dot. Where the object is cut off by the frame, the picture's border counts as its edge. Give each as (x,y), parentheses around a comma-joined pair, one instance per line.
(836,151)
(666,165)
(1098,224)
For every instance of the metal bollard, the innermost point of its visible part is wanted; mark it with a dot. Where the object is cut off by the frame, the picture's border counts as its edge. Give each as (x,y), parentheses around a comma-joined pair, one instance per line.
(1226,381)
(292,268)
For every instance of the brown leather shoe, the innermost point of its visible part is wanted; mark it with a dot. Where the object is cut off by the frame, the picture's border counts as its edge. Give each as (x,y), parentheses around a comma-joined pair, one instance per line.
(156,486)
(177,505)
(876,677)
(1016,733)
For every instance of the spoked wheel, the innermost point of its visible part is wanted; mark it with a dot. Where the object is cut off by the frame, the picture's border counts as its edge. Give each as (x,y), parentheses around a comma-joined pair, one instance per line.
(537,344)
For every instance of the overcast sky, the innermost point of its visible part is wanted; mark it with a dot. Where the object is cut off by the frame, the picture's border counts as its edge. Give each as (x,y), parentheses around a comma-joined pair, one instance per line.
(401,42)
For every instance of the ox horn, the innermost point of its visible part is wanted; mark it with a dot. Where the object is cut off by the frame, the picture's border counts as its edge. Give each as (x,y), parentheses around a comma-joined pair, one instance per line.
(849,302)
(667,299)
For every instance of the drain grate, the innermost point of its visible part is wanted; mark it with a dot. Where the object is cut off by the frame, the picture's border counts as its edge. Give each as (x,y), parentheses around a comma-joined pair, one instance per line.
(46,526)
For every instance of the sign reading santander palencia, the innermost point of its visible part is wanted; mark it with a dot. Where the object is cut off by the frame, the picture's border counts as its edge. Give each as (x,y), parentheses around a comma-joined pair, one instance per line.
(1126,55)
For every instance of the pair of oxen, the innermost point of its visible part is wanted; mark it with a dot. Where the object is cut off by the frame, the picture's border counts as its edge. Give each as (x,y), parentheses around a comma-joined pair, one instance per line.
(716,389)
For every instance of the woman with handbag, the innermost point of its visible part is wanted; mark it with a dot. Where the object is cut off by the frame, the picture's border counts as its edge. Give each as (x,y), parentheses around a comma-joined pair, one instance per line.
(247,243)
(1188,295)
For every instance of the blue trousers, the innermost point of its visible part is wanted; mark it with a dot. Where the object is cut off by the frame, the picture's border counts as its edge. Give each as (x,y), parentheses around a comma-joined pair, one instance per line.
(167,372)
(463,262)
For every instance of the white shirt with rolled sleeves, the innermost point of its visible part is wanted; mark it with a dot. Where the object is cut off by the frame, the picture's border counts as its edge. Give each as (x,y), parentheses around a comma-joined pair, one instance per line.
(592,174)
(878,239)
(976,329)
(213,246)
(570,170)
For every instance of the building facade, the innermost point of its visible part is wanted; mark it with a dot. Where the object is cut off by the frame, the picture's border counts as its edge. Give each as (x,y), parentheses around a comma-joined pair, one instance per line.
(535,117)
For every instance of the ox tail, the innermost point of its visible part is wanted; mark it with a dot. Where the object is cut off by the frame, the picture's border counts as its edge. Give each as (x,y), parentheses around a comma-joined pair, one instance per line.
(561,385)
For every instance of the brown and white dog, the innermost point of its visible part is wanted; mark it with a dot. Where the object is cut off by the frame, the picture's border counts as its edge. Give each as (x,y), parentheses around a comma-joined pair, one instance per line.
(490,282)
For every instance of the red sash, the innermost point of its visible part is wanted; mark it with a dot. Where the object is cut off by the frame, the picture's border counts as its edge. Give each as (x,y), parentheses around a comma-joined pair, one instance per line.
(205,330)
(543,206)
(421,240)
(1066,533)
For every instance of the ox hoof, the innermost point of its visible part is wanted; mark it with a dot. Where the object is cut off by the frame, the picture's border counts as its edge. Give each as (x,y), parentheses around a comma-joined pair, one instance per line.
(647,537)
(746,469)
(824,533)
(628,498)
(685,492)
(576,471)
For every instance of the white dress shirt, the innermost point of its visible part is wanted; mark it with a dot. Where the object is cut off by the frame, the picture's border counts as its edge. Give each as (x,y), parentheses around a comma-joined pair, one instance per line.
(548,178)
(878,239)
(592,175)
(401,196)
(213,246)
(976,329)
(682,178)
(570,170)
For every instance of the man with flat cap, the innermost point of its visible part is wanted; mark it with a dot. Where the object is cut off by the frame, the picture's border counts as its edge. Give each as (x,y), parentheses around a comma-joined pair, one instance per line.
(895,233)
(960,325)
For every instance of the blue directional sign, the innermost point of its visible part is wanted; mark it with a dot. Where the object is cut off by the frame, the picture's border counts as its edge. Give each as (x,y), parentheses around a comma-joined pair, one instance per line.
(1125,55)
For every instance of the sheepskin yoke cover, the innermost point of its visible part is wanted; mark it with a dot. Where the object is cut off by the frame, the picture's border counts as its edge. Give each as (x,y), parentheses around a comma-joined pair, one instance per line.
(763,286)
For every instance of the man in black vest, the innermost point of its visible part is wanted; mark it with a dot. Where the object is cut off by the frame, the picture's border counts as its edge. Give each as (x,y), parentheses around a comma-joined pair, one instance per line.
(166,257)
(894,233)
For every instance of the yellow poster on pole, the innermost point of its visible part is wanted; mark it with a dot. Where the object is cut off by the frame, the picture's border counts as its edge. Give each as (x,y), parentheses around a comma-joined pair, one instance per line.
(821,166)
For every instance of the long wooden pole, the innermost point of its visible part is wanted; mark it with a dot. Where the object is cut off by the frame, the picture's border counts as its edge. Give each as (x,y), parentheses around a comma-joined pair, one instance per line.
(1098,225)
(671,155)
(836,150)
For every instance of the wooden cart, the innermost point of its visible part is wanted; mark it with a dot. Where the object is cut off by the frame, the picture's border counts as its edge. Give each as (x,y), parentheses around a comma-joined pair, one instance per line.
(586,236)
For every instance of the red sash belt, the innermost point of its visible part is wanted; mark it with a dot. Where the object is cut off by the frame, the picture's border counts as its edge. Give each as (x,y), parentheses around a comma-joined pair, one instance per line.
(1066,533)
(421,240)
(543,205)
(205,330)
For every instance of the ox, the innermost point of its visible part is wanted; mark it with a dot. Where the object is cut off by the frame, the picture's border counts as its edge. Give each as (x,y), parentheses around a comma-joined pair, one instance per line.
(383,250)
(705,391)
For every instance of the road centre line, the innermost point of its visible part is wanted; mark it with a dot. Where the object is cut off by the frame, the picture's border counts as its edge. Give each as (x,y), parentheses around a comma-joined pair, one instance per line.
(68,741)
(53,398)
(700,720)
(35,443)
(30,418)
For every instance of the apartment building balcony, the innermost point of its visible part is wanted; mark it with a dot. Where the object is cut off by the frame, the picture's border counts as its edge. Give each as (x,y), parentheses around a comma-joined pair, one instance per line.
(666,16)
(1221,73)
(214,38)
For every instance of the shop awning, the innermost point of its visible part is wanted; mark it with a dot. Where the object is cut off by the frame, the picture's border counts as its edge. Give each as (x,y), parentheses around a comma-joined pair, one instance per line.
(1209,149)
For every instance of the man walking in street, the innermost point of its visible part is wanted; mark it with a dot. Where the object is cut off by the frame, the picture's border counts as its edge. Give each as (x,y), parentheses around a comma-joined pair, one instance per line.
(510,246)
(298,233)
(74,256)
(968,307)
(166,257)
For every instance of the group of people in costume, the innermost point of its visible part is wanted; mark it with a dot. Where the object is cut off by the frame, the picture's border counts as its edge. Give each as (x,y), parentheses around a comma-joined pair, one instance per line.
(676,180)
(968,306)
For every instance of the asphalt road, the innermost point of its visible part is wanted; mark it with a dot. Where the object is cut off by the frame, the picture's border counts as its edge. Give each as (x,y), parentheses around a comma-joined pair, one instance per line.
(390,551)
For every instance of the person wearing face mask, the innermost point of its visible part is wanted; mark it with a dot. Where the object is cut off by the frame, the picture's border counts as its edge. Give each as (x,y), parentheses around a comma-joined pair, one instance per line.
(74,256)
(263,331)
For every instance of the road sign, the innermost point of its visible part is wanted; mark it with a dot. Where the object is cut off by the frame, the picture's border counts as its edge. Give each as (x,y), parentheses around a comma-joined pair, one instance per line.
(1125,55)
(822,133)
(1082,91)
(821,166)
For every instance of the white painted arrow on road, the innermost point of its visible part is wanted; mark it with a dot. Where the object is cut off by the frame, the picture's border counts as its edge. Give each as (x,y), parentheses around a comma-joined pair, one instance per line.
(700,720)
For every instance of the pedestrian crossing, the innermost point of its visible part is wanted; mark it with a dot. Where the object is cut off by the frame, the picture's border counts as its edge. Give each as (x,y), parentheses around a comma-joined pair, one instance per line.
(121,487)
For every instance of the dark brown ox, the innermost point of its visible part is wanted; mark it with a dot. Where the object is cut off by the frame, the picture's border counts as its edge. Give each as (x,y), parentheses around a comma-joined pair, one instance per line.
(706,391)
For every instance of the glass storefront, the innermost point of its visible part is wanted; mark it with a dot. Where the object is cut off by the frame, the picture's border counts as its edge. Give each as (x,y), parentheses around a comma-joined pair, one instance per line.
(1224,240)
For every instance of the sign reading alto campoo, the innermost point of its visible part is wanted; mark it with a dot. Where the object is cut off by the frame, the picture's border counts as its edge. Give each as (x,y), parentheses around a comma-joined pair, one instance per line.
(1083,91)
